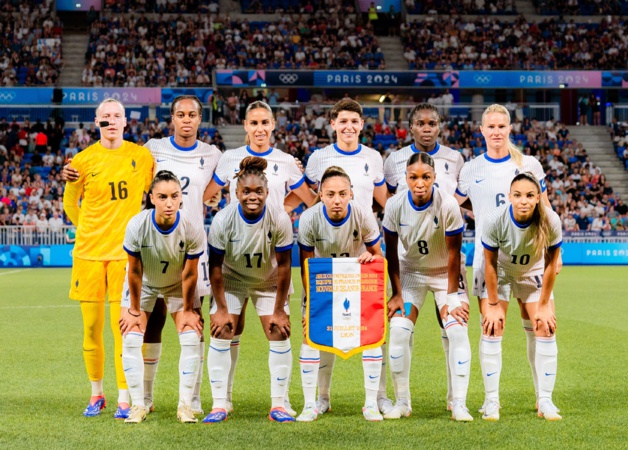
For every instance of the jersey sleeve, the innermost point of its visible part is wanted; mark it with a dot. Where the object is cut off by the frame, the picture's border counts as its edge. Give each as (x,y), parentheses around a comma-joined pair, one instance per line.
(490,239)
(537,170)
(312,175)
(389,174)
(195,241)
(389,223)
(370,229)
(378,169)
(305,239)
(148,167)
(131,237)
(284,239)
(217,238)
(295,177)
(454,223)
(223,170)
(556,230)
(463,182)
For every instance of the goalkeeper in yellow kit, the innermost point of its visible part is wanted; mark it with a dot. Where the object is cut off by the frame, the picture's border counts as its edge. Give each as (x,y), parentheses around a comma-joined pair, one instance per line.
(113,175)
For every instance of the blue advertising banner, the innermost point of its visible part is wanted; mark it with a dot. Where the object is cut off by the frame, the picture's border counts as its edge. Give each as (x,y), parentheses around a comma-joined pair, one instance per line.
(36,256)
(169,94)
(25,96)
(530,79)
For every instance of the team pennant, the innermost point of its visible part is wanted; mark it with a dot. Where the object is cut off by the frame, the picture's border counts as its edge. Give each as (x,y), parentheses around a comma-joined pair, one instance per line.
(346,304)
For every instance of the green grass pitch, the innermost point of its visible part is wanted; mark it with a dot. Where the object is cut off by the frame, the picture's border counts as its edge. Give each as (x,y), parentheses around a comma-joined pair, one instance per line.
(44,387)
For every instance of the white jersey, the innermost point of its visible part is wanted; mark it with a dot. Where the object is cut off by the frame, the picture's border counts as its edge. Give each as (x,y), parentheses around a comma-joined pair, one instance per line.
(282,172)
(422,230)
(249,247)
(344,239)
(364,166)
(486,182)
(447,164)
(515,242)
(163,253)
(194,167)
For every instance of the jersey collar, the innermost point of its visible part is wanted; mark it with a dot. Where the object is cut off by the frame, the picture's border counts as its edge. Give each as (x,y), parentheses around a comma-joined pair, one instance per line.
(183,149)
(497,161)
(254,221)
(172,228)
(266,153)
(420,208)
(518,224)
(337,224)
(342,152)
(433,152)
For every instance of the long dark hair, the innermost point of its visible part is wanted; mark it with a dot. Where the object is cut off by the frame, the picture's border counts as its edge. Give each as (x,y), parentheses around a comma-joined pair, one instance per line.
(162,175)
(539,216)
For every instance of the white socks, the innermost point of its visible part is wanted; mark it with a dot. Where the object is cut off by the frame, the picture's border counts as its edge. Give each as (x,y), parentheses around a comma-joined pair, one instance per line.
(372,365)
(531,347)
(309,360)
(189,365)
(218,368)
(324,373)
(152,353)
(398,356)
(280,365)
(382,375)
(491,364)
(459,366)
(235,353)
(546,365)
(196,394)
(445,342)
(133,365)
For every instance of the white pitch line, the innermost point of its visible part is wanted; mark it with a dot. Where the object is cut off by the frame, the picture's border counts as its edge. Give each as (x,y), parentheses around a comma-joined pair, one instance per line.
(38,307)
(13,271)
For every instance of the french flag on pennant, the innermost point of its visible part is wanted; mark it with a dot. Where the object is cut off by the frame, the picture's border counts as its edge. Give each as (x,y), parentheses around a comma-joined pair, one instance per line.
(346,305)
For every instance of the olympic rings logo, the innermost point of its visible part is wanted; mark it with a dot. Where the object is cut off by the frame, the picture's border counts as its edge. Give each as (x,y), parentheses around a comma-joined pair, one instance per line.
(482,79)
(288,78)
(6,97)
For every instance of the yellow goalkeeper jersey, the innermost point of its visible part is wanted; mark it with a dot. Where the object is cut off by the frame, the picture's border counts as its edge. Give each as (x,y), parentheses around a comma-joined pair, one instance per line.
(110,190)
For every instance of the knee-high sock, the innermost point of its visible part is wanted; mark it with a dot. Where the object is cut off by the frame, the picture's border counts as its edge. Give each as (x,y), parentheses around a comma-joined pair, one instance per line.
(152,353)
(381,389)
(133,364)
(114,321)
(491,363)
(93,345)
(400,335)
(196,394)
(546,365)
(309,360)
(324,373)
(446,343)
(372,365)
(234,353)
(531,346)
(459,358)
(280,365)
(218,366)
(189,362)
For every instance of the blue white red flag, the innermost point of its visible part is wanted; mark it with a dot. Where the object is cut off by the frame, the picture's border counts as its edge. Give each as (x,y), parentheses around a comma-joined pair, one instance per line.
(346,305)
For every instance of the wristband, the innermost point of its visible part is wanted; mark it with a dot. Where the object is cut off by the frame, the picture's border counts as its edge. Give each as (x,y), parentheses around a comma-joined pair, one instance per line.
(493,304)
(134,315)
(453,302)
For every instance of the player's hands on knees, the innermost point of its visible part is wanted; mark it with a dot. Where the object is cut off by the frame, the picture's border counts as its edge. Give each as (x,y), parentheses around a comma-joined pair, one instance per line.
(494,319)
(221,322)
(367,257)
(395,305)
(460,314)
(281,321)
(68,173)
(545,320)
(129,320)
(193,320)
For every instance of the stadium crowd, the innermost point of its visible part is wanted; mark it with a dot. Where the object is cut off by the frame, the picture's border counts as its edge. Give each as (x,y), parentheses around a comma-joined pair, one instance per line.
(488,43)
(502,7)
(30,44)
(162,6)
(581,7)
(32,154)
(183,51)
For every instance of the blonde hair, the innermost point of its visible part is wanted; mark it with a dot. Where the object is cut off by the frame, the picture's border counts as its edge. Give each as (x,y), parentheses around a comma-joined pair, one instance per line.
(258,104)
(540,217)
(513,150)
(110,100)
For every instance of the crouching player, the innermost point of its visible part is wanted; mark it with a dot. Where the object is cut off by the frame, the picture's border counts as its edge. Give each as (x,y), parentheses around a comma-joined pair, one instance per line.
(163,247)
(428,225)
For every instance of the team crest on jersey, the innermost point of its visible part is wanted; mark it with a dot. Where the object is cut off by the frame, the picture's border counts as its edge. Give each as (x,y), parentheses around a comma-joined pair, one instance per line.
(202,162)
(270,235)
(516,172)
(446,168)
(366,169)
(275,169)
(436,222)
(355,235)
(133,163)
(181,245)
(76,284)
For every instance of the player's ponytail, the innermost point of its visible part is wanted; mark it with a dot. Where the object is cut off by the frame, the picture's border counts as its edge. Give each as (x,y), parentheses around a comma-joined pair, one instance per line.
(421,157)
(252,165)
(540,217)
(513,150)
(258,104)
(162,175)
(334,171)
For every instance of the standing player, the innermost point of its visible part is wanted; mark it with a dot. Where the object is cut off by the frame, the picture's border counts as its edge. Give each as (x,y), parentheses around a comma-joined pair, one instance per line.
(282,174)
(338,227)
(194,163)
(485,181)
(113,177)
(163,245)
(428,224)
(367,183)
(250,253)
(521,247)
(425,127)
